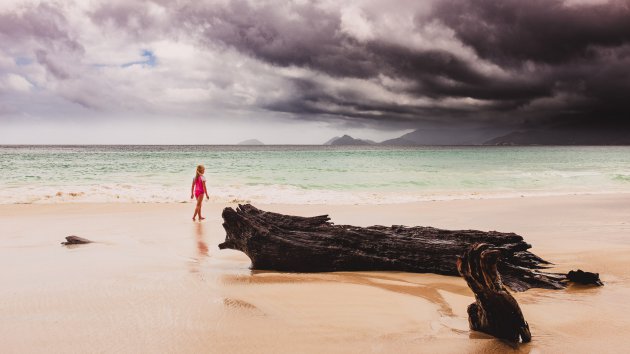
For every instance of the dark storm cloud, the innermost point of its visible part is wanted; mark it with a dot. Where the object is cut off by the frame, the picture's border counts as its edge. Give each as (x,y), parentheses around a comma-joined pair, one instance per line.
(558,60)
(580,50)
(546,31)
(43,23)
(315,100)
(43,27)
(309,37)
(510,63)
(134,17)
(429,69)
(312,38)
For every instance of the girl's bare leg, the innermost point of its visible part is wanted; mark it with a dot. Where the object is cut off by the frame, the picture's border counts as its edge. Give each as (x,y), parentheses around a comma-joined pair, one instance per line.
(197,210)
(199,201)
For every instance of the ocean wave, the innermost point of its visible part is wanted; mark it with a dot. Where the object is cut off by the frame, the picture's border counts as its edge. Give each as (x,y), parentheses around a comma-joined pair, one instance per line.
(623,178)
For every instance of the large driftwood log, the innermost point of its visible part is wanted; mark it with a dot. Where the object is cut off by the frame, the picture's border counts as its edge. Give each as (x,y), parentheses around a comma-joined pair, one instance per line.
(312,244)
(495,311)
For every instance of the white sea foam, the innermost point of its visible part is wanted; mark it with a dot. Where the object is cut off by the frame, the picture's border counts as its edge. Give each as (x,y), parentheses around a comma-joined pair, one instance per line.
(267,194)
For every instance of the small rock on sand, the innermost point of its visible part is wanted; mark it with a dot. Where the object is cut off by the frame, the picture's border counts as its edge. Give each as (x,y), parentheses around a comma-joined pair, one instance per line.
(75,240)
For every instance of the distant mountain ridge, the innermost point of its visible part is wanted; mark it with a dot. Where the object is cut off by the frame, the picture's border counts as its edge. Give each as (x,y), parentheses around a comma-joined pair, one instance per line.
(444,137)
(331,140)
(564,137)
(421,137)
(251,142)
(550,136)
(348,140)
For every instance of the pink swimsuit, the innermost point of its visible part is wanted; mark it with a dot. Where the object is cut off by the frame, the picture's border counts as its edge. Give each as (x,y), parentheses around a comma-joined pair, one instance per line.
(199,186)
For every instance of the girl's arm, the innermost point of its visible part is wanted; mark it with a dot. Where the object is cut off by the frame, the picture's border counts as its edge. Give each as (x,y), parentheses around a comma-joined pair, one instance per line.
(205,190)
(192,189)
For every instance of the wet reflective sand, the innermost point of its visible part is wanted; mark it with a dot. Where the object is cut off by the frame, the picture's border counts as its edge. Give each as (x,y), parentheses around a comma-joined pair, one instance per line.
(154,281)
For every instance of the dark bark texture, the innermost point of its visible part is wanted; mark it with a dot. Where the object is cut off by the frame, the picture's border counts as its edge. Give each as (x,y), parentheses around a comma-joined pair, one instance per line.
(495,311)
(312,244)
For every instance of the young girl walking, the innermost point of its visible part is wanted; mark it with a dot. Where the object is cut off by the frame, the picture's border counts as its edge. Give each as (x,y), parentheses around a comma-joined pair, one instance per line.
(198,189)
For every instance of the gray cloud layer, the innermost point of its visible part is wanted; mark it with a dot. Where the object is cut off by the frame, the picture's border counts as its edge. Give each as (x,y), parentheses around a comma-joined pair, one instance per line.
(453,62)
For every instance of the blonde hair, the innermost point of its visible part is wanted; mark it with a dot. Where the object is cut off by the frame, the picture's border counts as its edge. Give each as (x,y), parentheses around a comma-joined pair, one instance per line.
(199,169)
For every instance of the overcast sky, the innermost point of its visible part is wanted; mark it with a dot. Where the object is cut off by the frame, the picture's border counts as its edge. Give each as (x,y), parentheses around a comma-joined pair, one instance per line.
(216,72)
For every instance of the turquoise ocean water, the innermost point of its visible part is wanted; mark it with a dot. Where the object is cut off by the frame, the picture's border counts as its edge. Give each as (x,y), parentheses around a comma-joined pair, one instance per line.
(306,174)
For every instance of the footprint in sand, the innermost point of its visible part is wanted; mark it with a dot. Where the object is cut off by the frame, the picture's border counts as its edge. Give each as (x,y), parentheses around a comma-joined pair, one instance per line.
(242,305)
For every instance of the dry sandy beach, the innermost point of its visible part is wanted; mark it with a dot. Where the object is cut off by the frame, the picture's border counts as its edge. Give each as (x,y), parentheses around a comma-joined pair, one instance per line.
(156,282)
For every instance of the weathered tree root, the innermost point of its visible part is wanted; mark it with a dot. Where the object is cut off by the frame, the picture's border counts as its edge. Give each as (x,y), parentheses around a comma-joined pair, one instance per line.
(495,311)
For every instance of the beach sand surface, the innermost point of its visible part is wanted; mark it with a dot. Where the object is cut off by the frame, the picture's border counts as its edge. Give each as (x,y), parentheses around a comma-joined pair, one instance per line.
(154,281)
